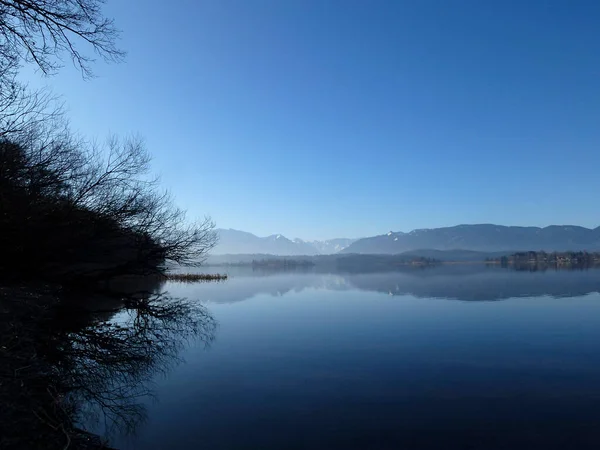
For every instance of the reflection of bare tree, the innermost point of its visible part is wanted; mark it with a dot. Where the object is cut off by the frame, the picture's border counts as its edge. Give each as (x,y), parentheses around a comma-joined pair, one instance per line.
(96,370)
(110,364)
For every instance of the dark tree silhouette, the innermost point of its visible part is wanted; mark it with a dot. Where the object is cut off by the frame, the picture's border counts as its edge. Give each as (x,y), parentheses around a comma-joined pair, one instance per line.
(23,110)
(74,213)
(79,210)
(71,206)
(42,32)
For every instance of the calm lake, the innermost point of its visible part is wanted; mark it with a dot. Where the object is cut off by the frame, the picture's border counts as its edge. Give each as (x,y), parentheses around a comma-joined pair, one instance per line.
(453,357)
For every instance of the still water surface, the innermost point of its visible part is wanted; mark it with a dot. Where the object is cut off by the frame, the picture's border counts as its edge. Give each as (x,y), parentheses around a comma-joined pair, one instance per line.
(443,358)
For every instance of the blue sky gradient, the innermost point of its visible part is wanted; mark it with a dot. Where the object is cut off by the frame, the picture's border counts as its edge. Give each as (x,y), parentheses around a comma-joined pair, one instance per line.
(321,119)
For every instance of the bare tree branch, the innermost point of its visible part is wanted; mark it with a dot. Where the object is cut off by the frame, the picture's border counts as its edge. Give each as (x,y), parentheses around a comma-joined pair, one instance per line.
(106,214)
(43,31)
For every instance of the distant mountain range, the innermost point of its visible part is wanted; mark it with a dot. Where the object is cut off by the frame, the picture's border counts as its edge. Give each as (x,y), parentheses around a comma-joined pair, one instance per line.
(480,238)
(241,242)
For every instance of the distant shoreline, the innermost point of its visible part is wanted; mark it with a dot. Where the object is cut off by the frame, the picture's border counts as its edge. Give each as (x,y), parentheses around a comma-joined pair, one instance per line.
(416,259)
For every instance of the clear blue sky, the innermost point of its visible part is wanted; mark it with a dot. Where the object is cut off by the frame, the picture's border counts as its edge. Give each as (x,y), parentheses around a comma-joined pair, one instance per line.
(320,119)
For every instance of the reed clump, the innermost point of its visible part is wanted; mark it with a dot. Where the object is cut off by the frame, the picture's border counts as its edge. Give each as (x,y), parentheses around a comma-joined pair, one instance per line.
(195,277)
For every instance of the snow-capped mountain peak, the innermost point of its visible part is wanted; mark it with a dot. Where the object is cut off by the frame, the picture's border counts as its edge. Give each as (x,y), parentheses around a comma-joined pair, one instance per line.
(240,242)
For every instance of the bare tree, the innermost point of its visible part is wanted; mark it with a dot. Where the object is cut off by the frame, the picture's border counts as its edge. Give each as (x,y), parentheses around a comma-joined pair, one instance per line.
(107,216)
(115,183)
(42,32)
(63,180)
(22,109)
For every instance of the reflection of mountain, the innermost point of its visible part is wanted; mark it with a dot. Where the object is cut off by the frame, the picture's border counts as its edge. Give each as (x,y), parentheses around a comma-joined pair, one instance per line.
(245,284)
(460,282)
(464,283)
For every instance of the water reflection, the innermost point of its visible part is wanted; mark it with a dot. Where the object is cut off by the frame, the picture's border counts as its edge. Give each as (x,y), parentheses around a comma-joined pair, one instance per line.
(467,282)
(110,364)
(333,361)
(87,361)
(96,356)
